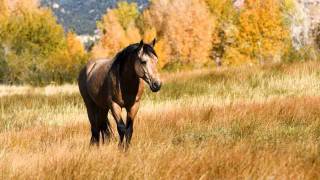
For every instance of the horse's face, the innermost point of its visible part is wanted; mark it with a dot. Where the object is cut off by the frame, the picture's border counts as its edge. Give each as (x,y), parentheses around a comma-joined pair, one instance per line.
(146,67)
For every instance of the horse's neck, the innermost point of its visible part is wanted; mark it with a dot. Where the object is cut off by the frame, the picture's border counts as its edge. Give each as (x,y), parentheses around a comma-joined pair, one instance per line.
(128,78)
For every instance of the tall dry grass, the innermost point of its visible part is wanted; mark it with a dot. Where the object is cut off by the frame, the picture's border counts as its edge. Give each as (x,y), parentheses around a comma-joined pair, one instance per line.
(224,124)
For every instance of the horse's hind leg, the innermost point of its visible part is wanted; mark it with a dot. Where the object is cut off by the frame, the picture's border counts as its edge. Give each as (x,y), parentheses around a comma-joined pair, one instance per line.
(92,108)
(104,125)
(93,115)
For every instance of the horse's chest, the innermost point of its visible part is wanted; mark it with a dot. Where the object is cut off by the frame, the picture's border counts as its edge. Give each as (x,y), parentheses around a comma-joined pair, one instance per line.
(127,97)
(127,100)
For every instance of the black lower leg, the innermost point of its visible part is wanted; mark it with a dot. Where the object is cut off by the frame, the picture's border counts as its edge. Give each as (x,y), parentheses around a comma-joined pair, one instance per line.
(95,136)
(105,133)
(121,130)
(129,131)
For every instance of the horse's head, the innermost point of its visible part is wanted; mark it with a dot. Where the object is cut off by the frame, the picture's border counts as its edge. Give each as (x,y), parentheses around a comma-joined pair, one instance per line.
(146,65)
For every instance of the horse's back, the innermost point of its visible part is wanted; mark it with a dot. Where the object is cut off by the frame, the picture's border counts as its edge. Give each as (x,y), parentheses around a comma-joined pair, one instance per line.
(92,76)
(95,66)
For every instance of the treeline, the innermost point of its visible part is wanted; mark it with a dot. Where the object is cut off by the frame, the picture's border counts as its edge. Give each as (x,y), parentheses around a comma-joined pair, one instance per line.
(192,33)
(34,49)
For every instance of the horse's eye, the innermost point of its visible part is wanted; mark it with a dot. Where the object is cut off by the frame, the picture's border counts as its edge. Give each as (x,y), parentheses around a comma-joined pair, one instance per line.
(143,62)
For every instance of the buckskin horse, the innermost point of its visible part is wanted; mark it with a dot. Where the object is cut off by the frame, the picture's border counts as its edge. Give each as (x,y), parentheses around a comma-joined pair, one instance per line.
(114,84)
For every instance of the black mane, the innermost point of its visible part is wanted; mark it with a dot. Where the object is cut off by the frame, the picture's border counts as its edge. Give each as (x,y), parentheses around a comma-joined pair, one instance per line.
(132,49)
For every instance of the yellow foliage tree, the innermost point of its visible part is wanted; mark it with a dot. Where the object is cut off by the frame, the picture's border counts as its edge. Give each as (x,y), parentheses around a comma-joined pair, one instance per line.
(33,47)
(74,46)
(25,4)
(155,16)
(225,15)
(119,30)
(71,56)
(126,13)
(189,29)
(162,49)
(65,64)
(3,17)
(262,34)
(185,26)
(3,10)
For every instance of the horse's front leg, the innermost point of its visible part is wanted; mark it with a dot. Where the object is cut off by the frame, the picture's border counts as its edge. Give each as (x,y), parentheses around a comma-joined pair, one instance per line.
(116,112)
(131,114)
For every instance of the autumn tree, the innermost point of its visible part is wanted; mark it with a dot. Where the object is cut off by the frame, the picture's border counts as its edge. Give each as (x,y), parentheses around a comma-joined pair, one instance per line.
(31,44)
(3,21)
(162,49)
(3,16)
(126,13)
(65,64)
(262,34)
(33,35)
(119,30)
(184,26)
(226,18)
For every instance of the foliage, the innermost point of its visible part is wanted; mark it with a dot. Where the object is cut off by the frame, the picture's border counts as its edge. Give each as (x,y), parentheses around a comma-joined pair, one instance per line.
(35,49)
(120,30)
(185,27)
(31,42)
(126,13)
(80,16)
(65,64)
(262,34)
(162,49)
(189,30)
(317,36)
(3,65)
(226,17)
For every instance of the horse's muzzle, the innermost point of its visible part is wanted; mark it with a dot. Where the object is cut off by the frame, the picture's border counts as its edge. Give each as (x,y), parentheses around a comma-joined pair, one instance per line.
(155,86)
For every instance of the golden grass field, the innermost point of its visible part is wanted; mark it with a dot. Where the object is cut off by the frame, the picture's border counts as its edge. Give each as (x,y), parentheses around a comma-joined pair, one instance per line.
(233,123)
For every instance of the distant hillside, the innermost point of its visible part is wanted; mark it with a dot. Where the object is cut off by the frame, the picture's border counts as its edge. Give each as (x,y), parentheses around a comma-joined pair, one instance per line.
(81,15)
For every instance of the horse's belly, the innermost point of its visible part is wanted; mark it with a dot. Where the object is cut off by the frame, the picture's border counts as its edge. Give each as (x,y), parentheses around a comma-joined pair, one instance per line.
(96,74)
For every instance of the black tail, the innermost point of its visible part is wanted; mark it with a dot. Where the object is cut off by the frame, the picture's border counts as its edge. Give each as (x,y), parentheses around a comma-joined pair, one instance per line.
(106,130)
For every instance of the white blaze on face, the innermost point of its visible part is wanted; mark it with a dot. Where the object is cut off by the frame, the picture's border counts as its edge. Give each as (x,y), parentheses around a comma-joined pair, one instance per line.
(150,67)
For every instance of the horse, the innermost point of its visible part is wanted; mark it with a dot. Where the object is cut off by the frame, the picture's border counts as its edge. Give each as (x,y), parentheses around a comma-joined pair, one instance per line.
(114,84)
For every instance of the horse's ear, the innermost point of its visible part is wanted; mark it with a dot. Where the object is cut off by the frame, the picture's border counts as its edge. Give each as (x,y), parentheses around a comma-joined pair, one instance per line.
(153,43)
(140,48)
(141,44)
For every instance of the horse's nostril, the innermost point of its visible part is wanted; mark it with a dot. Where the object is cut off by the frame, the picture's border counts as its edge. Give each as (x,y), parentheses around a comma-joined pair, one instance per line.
(156,85)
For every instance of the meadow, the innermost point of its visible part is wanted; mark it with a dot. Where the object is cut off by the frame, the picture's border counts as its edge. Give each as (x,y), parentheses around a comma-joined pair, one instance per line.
(228,123)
